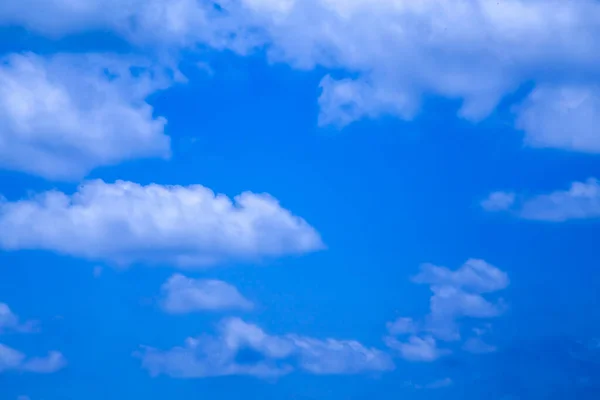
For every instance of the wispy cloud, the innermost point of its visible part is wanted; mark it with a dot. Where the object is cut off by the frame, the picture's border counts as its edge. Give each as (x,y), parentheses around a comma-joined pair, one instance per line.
(580,201)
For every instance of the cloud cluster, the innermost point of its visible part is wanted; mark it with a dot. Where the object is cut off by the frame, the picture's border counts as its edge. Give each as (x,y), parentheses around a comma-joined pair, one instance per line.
(11,359)
(245,349)
(456,295)
(181,295)
(127,223)
(580,201)
(64,115)
(393,53)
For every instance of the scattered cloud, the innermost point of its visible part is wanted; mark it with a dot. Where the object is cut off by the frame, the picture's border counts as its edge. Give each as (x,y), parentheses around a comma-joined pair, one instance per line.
(459,294)
(125,223)
(580,201)
(456,295)
(245,349)
(182,295)
(64,115)
(11,359)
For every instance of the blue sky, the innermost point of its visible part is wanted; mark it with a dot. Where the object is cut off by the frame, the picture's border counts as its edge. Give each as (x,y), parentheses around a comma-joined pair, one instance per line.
(285,199)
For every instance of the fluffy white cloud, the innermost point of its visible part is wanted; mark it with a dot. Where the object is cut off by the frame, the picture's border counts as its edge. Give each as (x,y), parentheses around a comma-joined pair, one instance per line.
(245,349)
(562,117)
(128,223)
(397,51)
(456,295)
(11,359)
(580,201)
(182,295)
(64,115)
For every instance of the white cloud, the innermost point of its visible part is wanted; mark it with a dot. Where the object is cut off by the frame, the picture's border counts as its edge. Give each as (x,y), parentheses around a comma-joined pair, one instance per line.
(62,116)
(11,359)
(53,362)
(245,349)
(456,295)
(580,201)
(10,321)
(182,295)
(498,201)
(173,22)
(397,51)
(128,223)
(475,275)
(449,302)
(562,117)
(418,349)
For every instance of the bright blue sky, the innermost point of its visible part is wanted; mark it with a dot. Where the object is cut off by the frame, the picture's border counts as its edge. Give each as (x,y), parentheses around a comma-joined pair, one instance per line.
(435,230)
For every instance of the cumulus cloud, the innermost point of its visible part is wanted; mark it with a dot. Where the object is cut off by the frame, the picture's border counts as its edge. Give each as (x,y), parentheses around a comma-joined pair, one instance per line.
(182,295)
(11,359)
(580,201)
(394,53)
(64,115)
(245,349)
(127,223)
(456,295)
